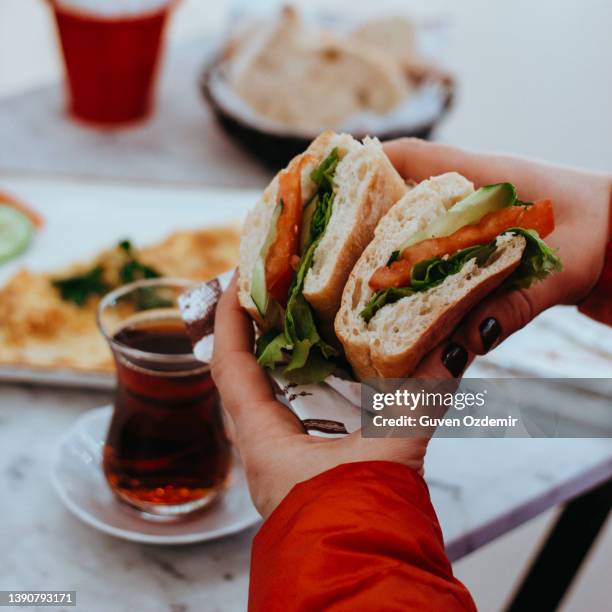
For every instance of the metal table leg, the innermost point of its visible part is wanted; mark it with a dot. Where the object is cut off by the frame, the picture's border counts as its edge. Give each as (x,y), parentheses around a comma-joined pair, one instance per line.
(564,550)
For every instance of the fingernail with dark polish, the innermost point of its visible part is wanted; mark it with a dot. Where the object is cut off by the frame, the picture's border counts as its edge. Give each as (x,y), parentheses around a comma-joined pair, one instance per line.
(490,331)
(454,358)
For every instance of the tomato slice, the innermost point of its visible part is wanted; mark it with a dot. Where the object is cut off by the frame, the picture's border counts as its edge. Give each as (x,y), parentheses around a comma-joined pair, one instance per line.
(538,216)
(13,202)
(284,249)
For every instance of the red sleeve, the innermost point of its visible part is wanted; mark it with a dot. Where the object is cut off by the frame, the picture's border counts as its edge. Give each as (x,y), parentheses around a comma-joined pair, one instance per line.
(598,305)
(363,536)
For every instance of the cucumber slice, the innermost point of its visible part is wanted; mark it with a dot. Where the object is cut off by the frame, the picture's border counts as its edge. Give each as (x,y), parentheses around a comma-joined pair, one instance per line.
(468,211)
(259,295)
(307,213)
(259,292)
(485,200)
(16,232)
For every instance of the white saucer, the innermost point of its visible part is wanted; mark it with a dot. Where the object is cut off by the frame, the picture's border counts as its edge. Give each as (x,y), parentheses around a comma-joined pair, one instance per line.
(76,473)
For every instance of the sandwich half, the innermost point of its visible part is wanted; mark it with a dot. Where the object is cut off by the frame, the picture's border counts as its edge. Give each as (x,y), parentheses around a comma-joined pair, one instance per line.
(439,251)
(300,243)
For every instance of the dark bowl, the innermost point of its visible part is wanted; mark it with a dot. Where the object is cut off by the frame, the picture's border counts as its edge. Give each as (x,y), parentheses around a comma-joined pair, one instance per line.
(275,147)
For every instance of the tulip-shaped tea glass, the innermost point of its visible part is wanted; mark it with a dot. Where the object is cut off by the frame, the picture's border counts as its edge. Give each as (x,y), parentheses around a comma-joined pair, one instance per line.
(166,453)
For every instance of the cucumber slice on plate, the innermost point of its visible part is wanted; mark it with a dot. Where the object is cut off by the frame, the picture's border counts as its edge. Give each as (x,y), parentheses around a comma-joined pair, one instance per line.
(16,232)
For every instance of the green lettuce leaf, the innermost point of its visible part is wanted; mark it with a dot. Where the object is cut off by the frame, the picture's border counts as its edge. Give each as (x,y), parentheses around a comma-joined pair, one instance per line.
(382,298)
(321,216)
(432,272)
(317,369)
(269,348)
(323,174)
(427,274)
(537,262)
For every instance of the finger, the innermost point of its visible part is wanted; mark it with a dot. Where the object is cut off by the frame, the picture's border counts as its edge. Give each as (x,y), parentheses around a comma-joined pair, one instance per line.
(246,391)
(442,367)
(233,326)
(505,312)
(498,316)
(448,360)
(417,159)
(439,371)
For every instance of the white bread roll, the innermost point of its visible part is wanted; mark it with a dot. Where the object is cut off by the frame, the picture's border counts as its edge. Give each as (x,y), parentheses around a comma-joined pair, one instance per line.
(394,34)
(365,186)
(400,334)
(308,79)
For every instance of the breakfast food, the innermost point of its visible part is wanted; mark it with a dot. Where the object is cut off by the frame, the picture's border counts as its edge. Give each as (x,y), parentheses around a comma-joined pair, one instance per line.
(300,243)
(436,253)
(285,69)
(47,320)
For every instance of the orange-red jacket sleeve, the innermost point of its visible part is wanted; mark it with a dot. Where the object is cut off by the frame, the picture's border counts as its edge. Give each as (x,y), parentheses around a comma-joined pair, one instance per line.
(362,536)
(598,305)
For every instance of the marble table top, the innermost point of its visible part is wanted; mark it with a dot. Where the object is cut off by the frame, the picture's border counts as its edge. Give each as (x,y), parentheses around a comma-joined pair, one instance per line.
(481,489)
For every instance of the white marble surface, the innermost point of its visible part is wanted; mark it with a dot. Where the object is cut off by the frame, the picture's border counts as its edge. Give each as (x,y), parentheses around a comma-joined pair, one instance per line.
(45,547)
(480,488)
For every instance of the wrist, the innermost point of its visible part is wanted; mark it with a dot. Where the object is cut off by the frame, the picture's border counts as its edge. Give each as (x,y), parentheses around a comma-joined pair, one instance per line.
(598,303)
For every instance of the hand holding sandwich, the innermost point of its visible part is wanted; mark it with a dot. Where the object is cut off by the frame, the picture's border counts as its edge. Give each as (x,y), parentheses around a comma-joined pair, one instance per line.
(582,213)
(277,452)
(274,448)
(360,530)
(367,525)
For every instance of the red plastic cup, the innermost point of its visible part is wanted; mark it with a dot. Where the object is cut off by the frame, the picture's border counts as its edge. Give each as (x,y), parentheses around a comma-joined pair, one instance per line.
(111,62)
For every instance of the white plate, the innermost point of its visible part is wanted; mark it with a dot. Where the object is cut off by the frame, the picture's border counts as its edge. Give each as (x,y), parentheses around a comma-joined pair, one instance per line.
(77,477)
(83,217)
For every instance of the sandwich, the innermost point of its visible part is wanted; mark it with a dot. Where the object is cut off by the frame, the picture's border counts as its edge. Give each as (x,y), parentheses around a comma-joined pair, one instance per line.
(439,251)
(300,243)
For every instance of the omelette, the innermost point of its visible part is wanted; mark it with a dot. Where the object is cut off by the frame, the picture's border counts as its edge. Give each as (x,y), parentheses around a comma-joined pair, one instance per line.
(48,320)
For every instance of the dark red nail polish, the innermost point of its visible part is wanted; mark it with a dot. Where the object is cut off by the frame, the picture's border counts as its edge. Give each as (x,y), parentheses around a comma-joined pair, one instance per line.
(490,331)
(454,359)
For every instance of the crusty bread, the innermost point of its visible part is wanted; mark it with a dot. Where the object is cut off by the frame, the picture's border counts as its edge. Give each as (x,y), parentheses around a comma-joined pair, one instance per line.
(365,186)
(396,35)
(398,336)
(308,80)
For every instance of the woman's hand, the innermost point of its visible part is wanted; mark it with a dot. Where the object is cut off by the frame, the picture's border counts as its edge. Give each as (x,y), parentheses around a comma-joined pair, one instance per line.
(581,203)
(276,451)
